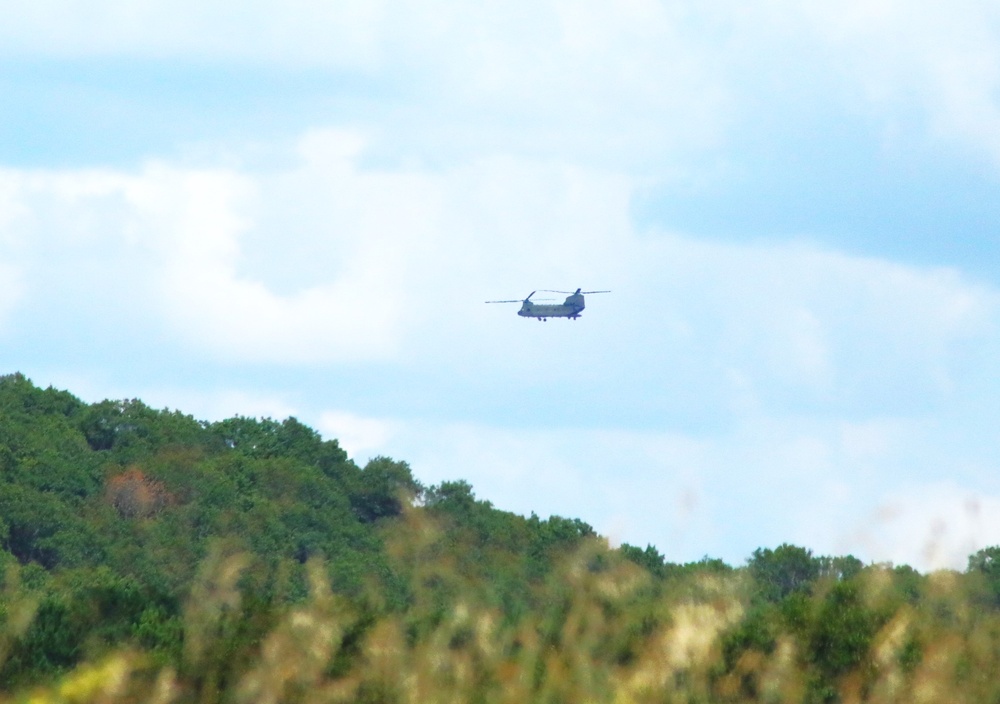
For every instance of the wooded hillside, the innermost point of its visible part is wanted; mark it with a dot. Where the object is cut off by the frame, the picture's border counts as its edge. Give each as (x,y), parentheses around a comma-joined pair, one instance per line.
(151,556)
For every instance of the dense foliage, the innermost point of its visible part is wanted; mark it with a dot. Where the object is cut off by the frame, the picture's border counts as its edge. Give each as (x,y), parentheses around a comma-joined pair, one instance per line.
(148,556)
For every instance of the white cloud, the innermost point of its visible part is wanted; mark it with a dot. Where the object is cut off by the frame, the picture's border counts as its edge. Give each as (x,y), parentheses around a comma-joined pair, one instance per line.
(212,307)
(11,245)
(169,240)
(943,59)
(933,526)
(832,487)
(813,325)
(356,434)
(11,290)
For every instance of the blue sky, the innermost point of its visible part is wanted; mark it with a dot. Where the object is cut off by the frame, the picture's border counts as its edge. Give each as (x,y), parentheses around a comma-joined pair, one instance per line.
(298,209)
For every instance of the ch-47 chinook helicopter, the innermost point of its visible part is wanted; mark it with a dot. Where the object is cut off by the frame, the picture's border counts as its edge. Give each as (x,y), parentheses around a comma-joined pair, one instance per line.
(570,308)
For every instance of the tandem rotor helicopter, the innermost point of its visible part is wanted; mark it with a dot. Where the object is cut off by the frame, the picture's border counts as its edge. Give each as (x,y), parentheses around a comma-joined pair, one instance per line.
(570,308)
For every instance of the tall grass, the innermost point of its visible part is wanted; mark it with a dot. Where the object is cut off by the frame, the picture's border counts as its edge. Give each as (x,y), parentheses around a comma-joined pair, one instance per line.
(601,630)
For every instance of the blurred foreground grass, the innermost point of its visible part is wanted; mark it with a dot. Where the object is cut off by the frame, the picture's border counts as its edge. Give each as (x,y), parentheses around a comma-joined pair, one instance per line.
(602,629)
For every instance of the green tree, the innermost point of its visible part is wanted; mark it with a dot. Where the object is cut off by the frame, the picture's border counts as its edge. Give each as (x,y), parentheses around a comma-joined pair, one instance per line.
(839,568)
(383,487)
(19,395)
(649,559)
(782,571)
(133,429)
(985,564)
(844,631)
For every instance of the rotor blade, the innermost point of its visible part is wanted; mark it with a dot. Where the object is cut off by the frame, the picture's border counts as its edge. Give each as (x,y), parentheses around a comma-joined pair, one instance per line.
(511,301)
(549,290)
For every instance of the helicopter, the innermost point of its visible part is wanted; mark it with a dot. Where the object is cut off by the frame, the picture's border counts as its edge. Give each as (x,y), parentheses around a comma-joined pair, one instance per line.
(570,308)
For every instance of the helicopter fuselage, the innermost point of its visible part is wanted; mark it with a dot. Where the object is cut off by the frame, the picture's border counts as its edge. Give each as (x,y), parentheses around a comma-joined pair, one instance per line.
(570,308)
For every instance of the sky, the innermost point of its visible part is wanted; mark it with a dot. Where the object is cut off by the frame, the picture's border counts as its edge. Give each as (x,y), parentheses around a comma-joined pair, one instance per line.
(298,208)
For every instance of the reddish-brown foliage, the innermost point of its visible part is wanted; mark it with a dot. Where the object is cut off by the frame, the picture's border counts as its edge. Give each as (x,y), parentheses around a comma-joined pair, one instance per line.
(134,495)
